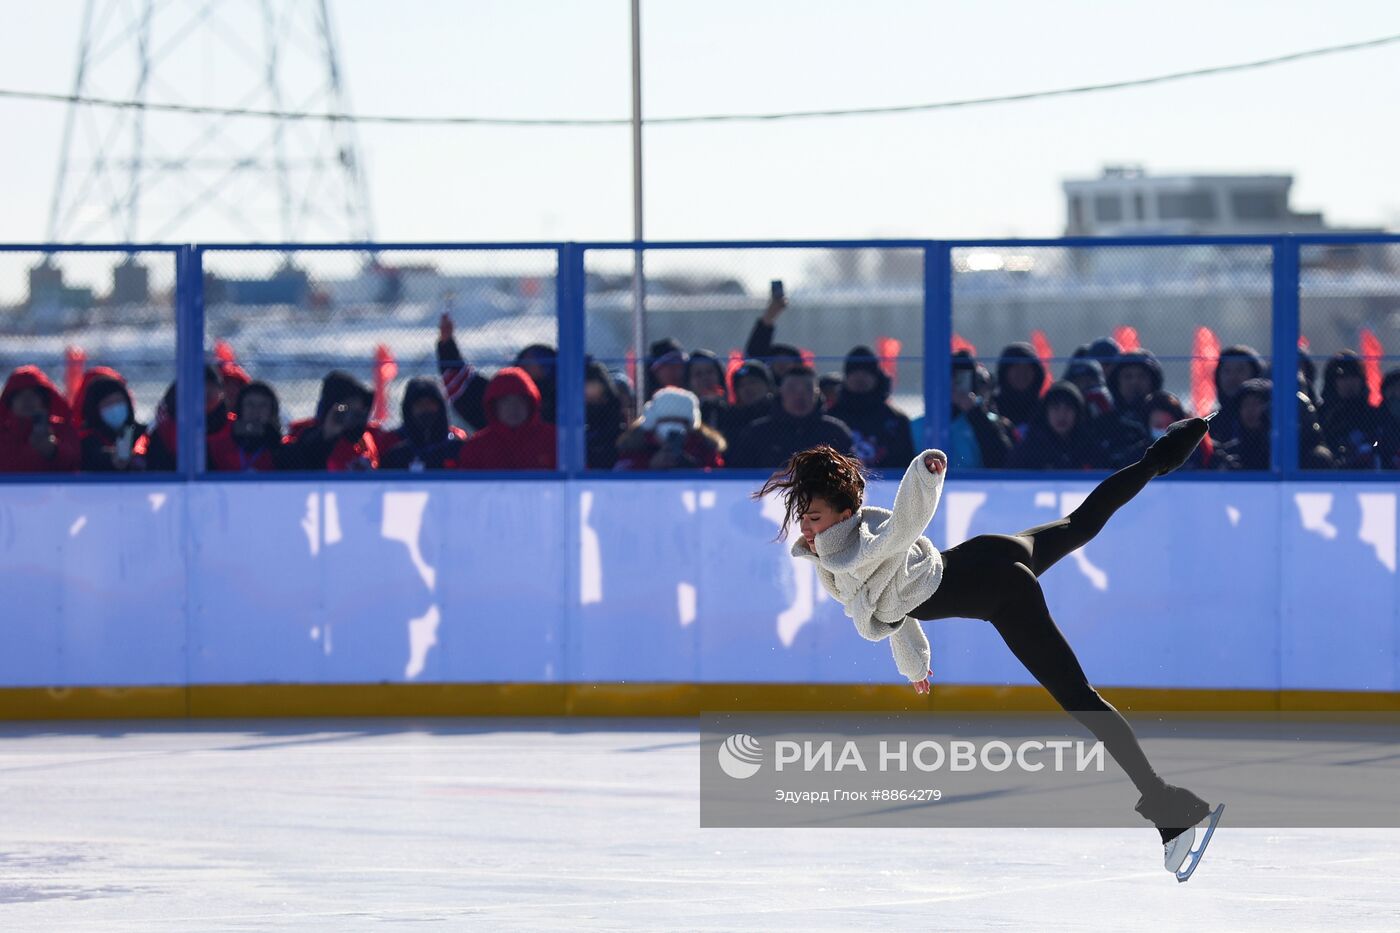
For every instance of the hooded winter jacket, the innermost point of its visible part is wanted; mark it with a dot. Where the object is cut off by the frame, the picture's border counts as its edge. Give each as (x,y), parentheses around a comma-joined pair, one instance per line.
(98,441)
(879,566)
(880,433)
(17,454)
(431,446)
(1226,425)
(528,446)
(1018,406)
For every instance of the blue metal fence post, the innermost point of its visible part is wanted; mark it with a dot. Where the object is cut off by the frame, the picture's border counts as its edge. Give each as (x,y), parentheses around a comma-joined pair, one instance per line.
(1284,366)
(569,298)
(189,365)
(938,340)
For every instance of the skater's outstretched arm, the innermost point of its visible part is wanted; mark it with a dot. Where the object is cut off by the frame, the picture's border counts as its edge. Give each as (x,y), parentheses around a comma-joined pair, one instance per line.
(914,505)
(911,651)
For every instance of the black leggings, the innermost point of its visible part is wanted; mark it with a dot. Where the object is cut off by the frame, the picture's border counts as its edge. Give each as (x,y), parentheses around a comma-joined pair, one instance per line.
(994,577)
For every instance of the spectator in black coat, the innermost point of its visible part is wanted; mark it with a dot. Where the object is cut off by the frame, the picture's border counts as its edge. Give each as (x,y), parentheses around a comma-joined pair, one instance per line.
(704,376)
(1388,446)
(880,432)
(796,425)
(1059,437)
(666,364)
(1020,375)
(754,398)
(1249,448)
(604,416)
(1120,441)
(1350,424)
(1313,453)
(1136,377)
(1236,364)
(424,441)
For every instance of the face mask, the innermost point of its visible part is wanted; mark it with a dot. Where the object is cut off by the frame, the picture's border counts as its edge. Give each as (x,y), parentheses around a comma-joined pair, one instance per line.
(114,416)
(1158,432)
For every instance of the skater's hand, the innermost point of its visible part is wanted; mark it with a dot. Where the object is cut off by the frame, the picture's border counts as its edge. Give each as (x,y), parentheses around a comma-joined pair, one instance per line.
(936,461)
(445,327)
(922,686)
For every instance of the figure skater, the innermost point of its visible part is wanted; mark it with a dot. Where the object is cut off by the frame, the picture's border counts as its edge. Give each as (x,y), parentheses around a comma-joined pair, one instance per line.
(887,576)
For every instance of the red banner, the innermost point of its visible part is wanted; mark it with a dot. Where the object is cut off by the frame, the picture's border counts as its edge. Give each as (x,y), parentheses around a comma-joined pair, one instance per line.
(1127,338)
(1205,356)
(74,362)
(1047,357)
(385,369)
(736,360)
(1371,353)
(888,348)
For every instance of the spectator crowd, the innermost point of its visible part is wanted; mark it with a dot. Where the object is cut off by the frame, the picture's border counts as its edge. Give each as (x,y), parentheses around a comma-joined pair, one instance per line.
(1107,406)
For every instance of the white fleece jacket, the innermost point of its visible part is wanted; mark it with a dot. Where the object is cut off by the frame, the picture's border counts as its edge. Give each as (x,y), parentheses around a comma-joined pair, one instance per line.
(879,566)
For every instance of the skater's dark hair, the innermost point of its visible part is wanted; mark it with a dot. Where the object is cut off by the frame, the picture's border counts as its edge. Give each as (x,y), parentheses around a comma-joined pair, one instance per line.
(820,472)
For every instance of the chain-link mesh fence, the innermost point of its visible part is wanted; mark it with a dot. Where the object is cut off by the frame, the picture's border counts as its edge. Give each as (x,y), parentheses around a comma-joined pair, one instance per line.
(396,358)
(729,326)
(87,348)
(1349,359)
(1075,358)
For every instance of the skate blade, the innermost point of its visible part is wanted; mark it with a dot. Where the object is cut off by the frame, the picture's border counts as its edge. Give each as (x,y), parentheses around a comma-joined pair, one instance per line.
(1193,858)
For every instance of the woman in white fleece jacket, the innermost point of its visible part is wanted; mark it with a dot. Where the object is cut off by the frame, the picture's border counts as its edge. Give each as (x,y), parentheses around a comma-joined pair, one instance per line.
(879,566)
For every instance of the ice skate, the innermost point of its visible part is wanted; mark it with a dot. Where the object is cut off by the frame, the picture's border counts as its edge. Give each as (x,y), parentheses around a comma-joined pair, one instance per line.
(1176,812)
(1172,449)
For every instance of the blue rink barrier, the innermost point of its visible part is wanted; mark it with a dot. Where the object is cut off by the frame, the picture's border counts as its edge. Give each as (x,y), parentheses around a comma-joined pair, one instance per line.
(1199,585)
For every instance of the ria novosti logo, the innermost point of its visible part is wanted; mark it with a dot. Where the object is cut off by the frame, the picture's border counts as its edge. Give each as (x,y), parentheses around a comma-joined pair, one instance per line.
(741,756)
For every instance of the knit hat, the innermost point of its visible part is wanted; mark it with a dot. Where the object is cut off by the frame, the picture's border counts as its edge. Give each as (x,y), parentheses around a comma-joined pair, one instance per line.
(672,402)
(1065,392)
(754,369)
(1085,366)
(862,357)
(665,351)
(703,358)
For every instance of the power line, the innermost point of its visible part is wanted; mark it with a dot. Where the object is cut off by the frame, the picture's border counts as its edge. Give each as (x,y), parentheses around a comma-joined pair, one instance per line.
(404,120)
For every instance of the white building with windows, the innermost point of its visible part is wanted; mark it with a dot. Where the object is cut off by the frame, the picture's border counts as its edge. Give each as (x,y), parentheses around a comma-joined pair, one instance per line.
(1126,201)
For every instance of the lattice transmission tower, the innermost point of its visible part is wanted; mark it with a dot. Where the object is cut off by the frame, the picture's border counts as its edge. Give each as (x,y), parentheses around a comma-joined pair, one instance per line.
(135,174)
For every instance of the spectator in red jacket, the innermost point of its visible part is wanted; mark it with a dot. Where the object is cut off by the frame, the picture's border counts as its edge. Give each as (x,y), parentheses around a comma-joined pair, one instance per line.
(425,441)
(670,436)
(341,438)
(164,434)
(254,438)
(78,403)
(111,439)
(36,425)
(515,436)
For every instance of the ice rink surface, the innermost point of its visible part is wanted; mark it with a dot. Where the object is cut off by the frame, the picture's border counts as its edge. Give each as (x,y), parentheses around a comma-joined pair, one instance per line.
(531,824)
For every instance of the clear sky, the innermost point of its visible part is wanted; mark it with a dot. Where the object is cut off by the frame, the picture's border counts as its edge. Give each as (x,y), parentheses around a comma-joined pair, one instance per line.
(989,171)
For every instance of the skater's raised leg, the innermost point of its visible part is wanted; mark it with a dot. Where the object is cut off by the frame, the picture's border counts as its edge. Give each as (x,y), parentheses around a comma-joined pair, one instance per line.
(1053,540)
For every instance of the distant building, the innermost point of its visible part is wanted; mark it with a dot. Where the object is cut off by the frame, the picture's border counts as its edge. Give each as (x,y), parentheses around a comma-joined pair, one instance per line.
(1126,201)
